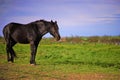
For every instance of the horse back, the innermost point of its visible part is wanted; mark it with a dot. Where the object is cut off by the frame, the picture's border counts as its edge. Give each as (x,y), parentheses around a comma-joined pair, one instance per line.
(19,32)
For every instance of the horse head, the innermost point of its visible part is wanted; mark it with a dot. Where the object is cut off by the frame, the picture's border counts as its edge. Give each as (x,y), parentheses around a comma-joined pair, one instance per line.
(54,30)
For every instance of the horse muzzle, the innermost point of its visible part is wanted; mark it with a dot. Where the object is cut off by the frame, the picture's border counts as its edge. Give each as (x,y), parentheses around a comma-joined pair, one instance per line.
(58,38)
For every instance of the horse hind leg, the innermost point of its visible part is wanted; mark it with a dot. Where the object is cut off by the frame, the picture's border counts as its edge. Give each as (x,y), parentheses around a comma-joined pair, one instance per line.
(7,38)
(11,49)
(13,55)
(10,52)
(13,52)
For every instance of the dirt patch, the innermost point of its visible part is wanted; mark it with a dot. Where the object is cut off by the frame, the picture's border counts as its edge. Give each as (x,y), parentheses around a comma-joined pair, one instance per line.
(93,76)
(26,72)
(57,75)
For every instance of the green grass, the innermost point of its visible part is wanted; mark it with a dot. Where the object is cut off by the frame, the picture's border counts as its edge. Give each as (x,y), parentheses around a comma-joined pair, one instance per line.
(56,60)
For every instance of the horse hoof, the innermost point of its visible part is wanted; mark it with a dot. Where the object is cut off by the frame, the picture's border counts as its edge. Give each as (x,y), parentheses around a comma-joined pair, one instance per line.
(32,64)
(9,62)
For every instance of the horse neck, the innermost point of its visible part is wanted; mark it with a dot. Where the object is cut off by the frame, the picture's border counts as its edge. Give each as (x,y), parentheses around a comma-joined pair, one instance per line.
(43,31)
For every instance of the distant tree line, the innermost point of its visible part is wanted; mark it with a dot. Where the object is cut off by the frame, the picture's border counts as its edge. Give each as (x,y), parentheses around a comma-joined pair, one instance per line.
(93,39)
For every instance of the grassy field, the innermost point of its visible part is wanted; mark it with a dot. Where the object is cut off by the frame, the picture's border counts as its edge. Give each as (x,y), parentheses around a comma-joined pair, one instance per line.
(79,58)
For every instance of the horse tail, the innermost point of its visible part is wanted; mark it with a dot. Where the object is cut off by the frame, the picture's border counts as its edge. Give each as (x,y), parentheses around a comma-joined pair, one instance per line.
(7,36)
(5,33)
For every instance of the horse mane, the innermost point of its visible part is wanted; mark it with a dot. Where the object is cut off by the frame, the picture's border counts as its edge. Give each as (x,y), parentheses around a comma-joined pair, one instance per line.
(41,20)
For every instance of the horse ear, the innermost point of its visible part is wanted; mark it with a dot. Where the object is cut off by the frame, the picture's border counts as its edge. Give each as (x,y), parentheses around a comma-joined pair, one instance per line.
(56,22)
(51,21)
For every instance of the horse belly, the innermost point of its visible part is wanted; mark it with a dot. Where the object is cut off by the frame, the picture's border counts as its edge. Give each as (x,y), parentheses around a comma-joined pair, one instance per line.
(20,38)
(23,40)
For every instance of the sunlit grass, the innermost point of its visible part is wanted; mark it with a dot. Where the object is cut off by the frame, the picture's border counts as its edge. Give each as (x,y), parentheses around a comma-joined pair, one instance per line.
(61,57)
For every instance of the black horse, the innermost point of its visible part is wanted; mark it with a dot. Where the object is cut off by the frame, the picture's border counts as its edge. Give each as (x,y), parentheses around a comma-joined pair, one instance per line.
(28,33)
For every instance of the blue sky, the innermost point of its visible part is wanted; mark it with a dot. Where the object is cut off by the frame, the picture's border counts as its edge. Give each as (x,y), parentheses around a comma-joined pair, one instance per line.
(74,17)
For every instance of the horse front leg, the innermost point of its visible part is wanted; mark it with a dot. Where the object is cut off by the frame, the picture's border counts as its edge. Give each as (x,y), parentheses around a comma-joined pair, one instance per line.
(33,53)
